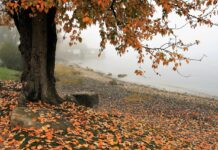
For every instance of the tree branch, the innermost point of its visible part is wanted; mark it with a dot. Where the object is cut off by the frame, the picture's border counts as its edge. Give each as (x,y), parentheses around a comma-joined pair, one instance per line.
(114,13)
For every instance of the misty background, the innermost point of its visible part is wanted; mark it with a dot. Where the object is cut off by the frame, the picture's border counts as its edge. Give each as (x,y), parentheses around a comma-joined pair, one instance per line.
(201,78)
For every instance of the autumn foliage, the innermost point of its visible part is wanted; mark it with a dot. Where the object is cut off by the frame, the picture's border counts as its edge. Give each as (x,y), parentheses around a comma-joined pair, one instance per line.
(126,23)
(178,128)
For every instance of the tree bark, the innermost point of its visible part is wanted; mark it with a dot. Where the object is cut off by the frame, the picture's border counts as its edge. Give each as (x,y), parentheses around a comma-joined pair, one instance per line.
(38,40)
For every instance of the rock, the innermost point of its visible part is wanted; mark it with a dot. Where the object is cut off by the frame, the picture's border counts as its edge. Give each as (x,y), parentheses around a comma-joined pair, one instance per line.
(23,117)
(121,75)
(87,99)
(22,101)
(101,73)
(26,118)
(113,82)
(89,69)
(71,98)
(109,74)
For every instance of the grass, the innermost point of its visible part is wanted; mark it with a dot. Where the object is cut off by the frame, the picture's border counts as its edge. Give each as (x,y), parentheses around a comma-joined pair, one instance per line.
(67,75)
(9,74)
(64,74)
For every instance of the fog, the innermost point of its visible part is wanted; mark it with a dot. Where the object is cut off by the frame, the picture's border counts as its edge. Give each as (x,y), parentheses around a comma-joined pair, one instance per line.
(201,78)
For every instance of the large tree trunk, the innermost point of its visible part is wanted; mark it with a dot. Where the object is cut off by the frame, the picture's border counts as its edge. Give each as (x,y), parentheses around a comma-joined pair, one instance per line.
(38,45)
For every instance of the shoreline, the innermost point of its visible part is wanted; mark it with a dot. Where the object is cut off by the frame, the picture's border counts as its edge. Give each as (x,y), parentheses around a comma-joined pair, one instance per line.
(166,88)
(191,86)
(117,94)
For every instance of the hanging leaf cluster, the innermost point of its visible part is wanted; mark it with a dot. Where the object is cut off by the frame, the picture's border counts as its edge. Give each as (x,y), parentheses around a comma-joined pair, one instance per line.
(125,23)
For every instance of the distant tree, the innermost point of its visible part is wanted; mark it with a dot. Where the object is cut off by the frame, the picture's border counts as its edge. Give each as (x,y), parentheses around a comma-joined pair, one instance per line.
(9,54)
(123,23)
(8,35)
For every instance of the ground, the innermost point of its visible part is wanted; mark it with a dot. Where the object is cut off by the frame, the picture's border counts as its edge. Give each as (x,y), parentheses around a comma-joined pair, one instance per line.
(129,116)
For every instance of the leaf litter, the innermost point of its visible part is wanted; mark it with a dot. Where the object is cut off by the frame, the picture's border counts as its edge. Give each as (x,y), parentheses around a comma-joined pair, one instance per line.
(179,129)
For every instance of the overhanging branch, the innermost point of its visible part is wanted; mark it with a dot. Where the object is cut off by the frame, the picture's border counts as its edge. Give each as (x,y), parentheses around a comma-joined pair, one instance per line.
(114,13)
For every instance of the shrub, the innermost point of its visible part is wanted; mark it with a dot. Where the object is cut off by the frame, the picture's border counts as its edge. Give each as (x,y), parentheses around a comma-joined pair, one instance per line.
(10,56)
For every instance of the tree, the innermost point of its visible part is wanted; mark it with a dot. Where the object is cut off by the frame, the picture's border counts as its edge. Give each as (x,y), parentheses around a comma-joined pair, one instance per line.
(123,23)
(9,54)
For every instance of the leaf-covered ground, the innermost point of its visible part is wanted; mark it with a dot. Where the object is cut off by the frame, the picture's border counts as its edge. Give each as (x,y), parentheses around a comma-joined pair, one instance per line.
(175,129)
